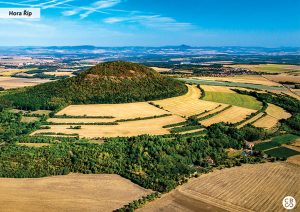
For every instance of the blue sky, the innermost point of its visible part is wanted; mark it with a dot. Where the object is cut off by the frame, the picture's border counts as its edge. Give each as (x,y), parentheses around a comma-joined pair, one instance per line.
(270,23)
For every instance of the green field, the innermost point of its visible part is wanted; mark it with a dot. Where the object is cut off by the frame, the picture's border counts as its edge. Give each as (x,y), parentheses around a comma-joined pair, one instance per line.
(282,152)
(277,141)
(233,99)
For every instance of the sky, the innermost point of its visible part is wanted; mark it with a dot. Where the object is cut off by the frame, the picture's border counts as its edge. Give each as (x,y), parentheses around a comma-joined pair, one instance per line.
(266,23)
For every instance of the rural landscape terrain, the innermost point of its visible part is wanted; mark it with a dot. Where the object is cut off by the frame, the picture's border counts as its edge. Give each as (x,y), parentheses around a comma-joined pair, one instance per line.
(175,128)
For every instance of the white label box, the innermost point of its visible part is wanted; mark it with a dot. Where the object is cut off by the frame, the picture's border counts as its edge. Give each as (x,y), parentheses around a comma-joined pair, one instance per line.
(20,13)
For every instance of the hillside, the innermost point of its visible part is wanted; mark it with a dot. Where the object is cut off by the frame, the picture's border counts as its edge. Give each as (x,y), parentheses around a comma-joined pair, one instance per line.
(111,82)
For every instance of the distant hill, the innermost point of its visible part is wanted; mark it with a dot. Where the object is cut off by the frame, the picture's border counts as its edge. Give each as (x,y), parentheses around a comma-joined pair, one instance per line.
(111,82)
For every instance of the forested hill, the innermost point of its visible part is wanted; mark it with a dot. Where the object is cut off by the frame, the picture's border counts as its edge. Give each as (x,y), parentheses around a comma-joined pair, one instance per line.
(111,82)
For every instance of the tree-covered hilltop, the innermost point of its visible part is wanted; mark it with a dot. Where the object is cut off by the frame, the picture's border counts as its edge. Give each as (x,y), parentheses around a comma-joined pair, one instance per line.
(111,82)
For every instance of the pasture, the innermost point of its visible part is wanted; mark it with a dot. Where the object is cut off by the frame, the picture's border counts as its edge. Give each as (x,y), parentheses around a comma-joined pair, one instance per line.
(74,192)
(245,188)
(233,99)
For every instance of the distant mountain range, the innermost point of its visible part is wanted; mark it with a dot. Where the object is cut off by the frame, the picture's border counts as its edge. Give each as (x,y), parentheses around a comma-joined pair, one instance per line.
(142,50)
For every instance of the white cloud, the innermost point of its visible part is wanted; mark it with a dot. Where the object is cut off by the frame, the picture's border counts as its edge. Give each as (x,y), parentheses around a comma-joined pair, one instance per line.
(153,21)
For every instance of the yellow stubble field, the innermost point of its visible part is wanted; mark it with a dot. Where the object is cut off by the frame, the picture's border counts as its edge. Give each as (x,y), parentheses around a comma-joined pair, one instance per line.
(74,192)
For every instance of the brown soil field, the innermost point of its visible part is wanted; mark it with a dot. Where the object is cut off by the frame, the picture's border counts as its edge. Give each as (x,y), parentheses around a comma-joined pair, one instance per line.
(275,113)
(34,144)
(13,82)
(188,104)
(257,187)
(124,129)
(283,78)
(251,120)
(231,115)
(119,111)
(74,192)
(253,79)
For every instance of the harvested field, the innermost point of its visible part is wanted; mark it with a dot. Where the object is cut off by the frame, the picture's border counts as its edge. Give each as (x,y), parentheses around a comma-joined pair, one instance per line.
(283,78)
(277,112)
(119,111)
(269,121)
(222,107)
(79,120)
(212,88)
(231,115)
(13,82)
(161,69)
(74,192)
(258,187)
(188,104)
(124,129)
(294,160)
(60,73)
(253,119)
(252,79)
(34,144)
(233,99)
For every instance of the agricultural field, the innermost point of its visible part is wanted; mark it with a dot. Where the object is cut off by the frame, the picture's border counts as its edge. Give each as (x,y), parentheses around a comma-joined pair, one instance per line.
(248,79)
(245,188)
(275,142)
(13,82)
(123,129)
(231,115)
(188,104)
(10,72)
(74,192)
(271,68)
(118,111)
(60,73)
(222,89)
(283,78)
(282,152)
(274,114)
(233,99)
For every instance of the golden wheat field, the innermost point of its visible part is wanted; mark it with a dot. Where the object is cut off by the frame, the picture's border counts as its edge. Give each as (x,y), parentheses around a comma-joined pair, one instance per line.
(266,122)
(119,111)
(245,188)
(80,120)
(60,73)
(253,119)
(188,104)
(231,115)
(283,78)
(74,192)
(123,129)
(277,112)
(222,89)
